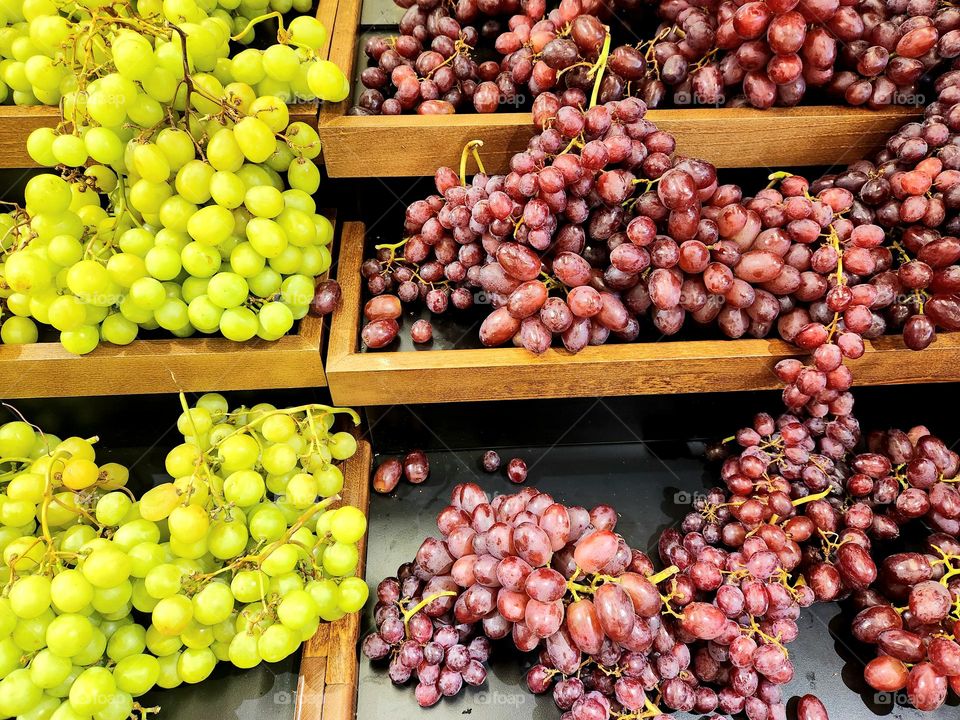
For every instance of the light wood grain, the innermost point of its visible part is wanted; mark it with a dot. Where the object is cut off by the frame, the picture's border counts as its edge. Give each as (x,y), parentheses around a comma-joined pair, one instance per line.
(327,14)
(327,686)
(413,145)
(381,378)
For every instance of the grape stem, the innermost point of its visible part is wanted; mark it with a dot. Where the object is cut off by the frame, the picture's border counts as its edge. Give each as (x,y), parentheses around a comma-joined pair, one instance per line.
(600,67)
(409,613)
(470,147)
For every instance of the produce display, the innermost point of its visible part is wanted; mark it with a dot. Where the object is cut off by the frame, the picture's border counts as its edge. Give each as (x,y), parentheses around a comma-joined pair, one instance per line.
(237,557)
(484,56)
(185,201)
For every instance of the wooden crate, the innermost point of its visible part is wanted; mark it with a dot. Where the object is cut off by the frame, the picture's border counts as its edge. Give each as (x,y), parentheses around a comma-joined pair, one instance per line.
(17,122)
(327,686)
(415,145)
(641,368)
(194,364)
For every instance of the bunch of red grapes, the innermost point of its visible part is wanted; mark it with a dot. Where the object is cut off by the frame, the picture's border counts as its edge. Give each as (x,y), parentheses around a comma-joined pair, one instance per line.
(755,53)
(600,231)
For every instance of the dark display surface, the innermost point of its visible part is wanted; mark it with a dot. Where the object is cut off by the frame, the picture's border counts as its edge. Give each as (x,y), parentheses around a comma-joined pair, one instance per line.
(652,486)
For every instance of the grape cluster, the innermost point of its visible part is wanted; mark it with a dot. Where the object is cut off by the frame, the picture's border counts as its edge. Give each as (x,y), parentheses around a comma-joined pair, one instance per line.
(420,639)
(759,53)
(236,558)
(208,224)
(599,225)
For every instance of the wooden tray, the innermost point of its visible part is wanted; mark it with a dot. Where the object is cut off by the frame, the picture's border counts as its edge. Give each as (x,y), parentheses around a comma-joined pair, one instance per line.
(17,122)
(642,368)
(327,687)
(194,364)
(414,145)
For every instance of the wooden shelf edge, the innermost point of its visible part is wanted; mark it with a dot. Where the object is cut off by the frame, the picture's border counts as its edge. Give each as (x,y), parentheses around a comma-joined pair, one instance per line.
(327,682)
(671,366)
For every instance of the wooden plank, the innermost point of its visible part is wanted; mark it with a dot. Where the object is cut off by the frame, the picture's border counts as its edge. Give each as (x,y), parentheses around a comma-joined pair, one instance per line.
(327,686)
(310,689)
(414,145)
(193,364)
(379,378)
(327,14)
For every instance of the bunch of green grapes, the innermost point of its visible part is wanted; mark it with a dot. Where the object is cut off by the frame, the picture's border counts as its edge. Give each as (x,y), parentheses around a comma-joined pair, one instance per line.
(237,559)
(186,197)
(46,51)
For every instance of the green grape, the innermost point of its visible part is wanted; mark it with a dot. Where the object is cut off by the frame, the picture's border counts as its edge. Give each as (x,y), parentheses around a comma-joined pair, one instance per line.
(227,290)
(297,609)
(282,585)
(136,673)
(197,635)
(342,445)
(91,691)
(18,331)
(227,539)
(125,641)
(211,225)
(196,664)
(249,585)
(282,560)
(172,614)
(70,591)
(223,151)
(162,645)
(267,523)
(107,601)
(169,676)
(175,213)
(340,559)
(103,145)
(301,491)
(178,147)
(353,594)
(277,642)
(244,488)
(107,566)
(254,138)
(118,330)
(144,557)
(193,181)
(163,581)
(18,693)
(271,110)
(303,139)
(188,523)
(280,62)
(213,604)
(266,282)
(279,459)
(308,30)
(124,269)
(48,670)
(68,634)
(329,481)
(27,272)
(326,595)
(30,596)
(172,314)
(119,707)
(134,532)
(244,651)
(264,201)
(201,260)
(163,262)
(40,146)
(303,174)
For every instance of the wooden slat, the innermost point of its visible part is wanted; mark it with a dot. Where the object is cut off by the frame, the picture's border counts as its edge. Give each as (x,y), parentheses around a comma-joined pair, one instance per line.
(327,686)
(310,688)
(194,364)
(380,378)
(413,145)
(327,14)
